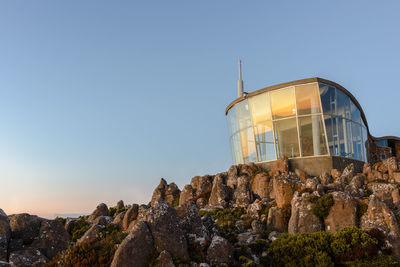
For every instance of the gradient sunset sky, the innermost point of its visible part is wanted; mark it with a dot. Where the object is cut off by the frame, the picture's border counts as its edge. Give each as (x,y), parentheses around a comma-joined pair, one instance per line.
(100,99)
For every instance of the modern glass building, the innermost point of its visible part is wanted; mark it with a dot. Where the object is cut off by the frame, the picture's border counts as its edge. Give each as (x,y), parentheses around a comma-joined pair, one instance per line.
(300,119)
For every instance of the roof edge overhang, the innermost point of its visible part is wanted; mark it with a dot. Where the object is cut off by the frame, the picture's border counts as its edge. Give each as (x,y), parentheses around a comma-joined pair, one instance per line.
(299,82)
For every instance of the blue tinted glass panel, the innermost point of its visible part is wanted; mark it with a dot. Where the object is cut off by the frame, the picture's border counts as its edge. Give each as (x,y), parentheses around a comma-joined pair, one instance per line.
(232,122)
(243,115)
(328,98)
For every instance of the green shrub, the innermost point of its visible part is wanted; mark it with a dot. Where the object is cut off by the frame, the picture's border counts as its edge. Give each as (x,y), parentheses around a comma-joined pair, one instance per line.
(323,248)
(175,202)
(79,228)
(322,205)
(60,219)
(381,260)
(92,254)
(259,246)
(302,250)
(112,211)
(351,243)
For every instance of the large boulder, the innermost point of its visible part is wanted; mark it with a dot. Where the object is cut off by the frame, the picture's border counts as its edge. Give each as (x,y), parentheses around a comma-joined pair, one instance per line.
(130,215)
(136,249)
(120,205)
(119,218)
(101,210)
(91,235)
(5,234)
(25,227)
(281,166)
(343,212)
(53,238)
(276,219)
(261,185)
(28,257)
(383,192)
(219,193)
(283,189)
(302,220)
(220,251)
(242,192)
(164,224)
(379,216)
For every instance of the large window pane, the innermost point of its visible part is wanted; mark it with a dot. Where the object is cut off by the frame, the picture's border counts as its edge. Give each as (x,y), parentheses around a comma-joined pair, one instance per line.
(248,145)
(311,136)
(348,135)
(243,114)
(232,122)
(264,141)
(364,142)
(260,108)
(328,98)
(307,99)
(343,105)
(282,103)
(287,143)
(236,149)
(335,134)
(355,113)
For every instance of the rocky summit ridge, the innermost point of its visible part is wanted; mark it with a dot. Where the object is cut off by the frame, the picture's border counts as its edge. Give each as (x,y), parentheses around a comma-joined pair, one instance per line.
(246,216)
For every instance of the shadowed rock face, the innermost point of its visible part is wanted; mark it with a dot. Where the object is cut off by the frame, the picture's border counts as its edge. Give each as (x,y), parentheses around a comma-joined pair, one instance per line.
(302,220)
(101,210)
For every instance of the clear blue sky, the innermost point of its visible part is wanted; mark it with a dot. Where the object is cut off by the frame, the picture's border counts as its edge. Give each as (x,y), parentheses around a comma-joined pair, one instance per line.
(100,99)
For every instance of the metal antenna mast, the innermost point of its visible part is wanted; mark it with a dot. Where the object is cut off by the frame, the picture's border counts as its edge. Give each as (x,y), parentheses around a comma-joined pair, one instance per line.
(240,82)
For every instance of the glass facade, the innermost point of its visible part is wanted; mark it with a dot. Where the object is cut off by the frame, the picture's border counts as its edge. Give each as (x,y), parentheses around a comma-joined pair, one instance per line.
(305,120)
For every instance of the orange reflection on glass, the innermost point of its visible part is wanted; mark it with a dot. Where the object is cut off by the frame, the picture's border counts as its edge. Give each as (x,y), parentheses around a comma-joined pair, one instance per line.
(282,103)
(307,99)
(260,108)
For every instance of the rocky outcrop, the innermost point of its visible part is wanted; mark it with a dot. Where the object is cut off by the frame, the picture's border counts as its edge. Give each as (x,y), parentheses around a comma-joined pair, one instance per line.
(25,227)
(136,249)
(165,259)
(343,212)
(28,257)
(169,192)
(283,189)
(261,185)
(302,220)
(101,210)
(219,193)
(187,193)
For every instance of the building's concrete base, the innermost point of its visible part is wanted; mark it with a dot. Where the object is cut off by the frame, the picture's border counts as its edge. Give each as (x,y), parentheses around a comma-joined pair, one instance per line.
(314,166)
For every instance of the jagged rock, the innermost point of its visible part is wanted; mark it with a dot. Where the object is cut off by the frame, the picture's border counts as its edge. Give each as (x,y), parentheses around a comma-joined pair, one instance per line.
(165,259)
(261,185)
(202,184)
(172,194)
(120,205)
(276,219)
(130,215)
(343,212)
(28,257)
(136,249)
(101,210)
(379,216)
(325,178)
(347,174)
(186,194)
(167,233)
(119,219)
(273,235)
(5,234)
(242,192)
(103,220)
(201,202)
(283,191)
(6,264)
(219,193)
(396,177)
(159,192)
(91,235)
(301,219)
(52,239)
(281,166)
(169,192)
(231,180)
(396,196)
(210,225)
(337,186)
(391,164)
(248,170)
(247,238)
(241,226)
(24,226)
(254,209)
(220,251)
